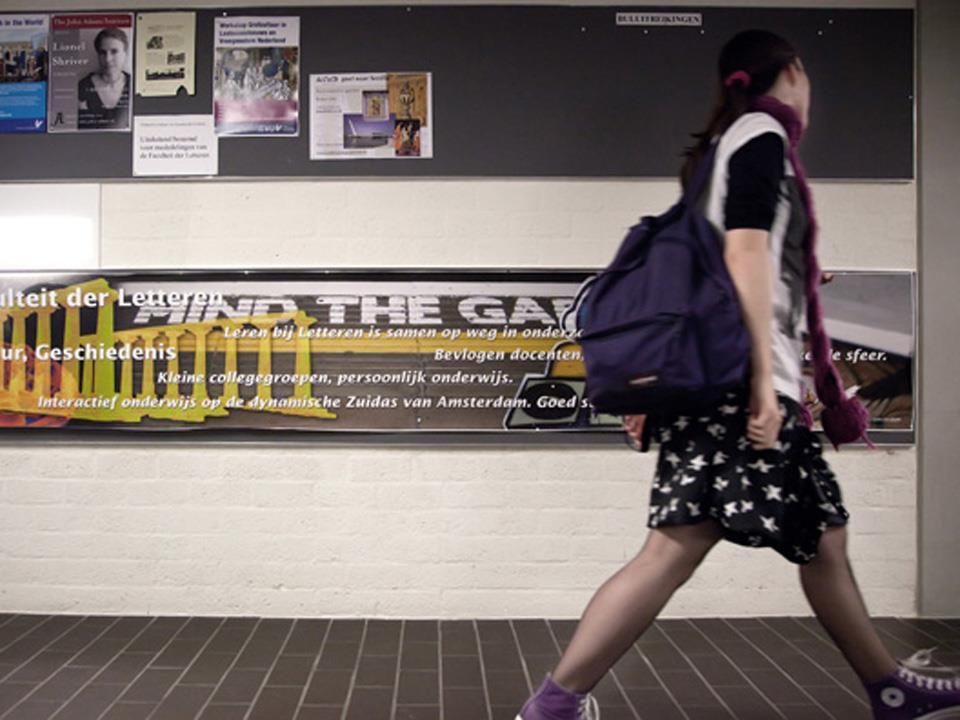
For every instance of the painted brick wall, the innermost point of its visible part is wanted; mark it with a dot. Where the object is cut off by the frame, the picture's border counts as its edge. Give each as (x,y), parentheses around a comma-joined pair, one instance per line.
(420,531)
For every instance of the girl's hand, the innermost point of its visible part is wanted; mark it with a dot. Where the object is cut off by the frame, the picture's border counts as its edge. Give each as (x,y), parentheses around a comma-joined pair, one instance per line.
(763,427)
(633,426)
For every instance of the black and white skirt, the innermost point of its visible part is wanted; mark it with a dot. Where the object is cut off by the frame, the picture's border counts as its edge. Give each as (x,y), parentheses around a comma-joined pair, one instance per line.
(783,498)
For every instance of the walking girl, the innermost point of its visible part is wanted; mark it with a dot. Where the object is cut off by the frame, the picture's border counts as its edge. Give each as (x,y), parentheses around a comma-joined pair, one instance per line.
(748,469)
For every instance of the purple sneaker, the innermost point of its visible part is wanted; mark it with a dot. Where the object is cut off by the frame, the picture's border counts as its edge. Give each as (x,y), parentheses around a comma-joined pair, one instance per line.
(931,694)
(552,702)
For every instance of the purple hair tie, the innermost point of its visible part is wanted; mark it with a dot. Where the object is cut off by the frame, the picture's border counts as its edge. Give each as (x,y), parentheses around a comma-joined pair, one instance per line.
(741,75)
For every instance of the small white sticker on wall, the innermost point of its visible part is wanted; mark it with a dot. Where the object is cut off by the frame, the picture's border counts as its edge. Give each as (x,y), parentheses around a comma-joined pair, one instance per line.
(660,19)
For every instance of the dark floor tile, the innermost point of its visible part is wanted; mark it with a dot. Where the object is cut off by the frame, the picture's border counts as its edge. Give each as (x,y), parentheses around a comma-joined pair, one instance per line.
(688,639)
(224,712)
(461,671)
(616,712)
(320,712)
(328,687)
(777,687)
(239,686)
(534,637)
(654,704)
(377,670)
(716,670)
(264,646)
(563,629)
(458,637)
(156,635)
(306,637)
(418,687)
(82,634)
(464,703)
(36,638)
(804,712)
(840,703)
(126,628)
(178,654)
(100,652)
(41,666)
(64,683)
(495,631)
(709,713)
(338,656)
(151,686)
(130,711)
(689,690)
(90,702)
(507,688)
(124,668)
(538,666)
(382,638)
(349,631)
(208,669)
(12,693)
(419,656)
(664,656)
(746,703)
(417,712)
(501,657)
(421,631)
(199,628)
(184,701)
(276,703)
(632,670)
(232,635)
(370,704)
(34,710)
(291,671)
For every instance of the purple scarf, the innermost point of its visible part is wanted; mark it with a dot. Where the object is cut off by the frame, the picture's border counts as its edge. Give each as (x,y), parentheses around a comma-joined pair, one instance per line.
(844,419)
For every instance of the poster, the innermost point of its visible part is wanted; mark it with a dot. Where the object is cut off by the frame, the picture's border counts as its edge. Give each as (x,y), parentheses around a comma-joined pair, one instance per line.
(404,351)
(23,73)
(371,115)
(256,76)
(165,53)
(170,145)
(91,71)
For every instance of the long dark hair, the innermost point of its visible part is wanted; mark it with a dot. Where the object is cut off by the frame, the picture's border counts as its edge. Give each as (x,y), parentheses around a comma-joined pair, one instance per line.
(755,59)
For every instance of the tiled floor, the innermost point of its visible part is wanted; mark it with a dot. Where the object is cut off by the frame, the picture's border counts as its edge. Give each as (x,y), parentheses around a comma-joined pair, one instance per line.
(166,668)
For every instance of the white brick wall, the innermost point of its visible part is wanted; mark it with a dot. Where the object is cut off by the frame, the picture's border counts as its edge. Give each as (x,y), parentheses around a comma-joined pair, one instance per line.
(419,531)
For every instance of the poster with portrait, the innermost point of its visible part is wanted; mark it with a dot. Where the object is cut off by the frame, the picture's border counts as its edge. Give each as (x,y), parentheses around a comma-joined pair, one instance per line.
(256,76)
(165,53)
(371,115)
(23,73)
(91,72)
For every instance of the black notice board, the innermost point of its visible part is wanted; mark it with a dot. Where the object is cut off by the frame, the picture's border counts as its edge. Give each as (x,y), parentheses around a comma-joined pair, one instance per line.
(543,91)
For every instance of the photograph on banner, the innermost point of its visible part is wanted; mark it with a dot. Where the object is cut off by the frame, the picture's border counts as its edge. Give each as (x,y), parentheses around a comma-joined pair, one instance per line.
(256,76)
(404,351)
(371,115)
(166,59)
(91,70)
(23,73)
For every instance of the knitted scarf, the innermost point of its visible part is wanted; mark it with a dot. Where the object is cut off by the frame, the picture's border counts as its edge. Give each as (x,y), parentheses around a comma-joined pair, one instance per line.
(844,419)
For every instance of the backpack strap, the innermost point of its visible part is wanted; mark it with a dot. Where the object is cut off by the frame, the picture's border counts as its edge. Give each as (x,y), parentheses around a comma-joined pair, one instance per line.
(699,181)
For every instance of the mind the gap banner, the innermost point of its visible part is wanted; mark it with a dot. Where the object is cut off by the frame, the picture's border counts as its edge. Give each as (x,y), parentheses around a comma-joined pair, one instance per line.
(360,351)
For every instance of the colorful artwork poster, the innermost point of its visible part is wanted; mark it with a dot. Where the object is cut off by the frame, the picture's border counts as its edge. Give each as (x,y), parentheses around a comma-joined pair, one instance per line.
(256,76)
(24,59)
(403,351)
(165,53)
(371,115)
(91,72)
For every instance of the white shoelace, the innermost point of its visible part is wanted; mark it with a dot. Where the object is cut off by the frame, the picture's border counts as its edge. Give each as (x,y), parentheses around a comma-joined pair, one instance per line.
(918,670)
(589,708)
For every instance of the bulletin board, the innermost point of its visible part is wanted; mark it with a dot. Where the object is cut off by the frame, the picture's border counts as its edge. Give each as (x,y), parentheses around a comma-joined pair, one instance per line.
(545,91)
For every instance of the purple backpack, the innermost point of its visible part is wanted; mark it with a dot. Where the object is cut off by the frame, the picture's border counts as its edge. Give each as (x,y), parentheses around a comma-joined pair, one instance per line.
(660,328)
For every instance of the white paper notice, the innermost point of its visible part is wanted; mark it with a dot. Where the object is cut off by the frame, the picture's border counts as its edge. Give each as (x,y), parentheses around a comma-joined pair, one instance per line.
(174,145)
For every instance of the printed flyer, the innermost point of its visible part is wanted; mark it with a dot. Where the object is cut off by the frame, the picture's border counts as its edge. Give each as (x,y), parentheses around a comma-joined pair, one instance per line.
(360,351)
(91,71)
(165,53)
(23,73)
(256,76)
(371,115)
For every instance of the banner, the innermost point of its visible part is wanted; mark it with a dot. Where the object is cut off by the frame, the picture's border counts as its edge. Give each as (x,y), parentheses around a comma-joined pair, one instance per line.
(403,351)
